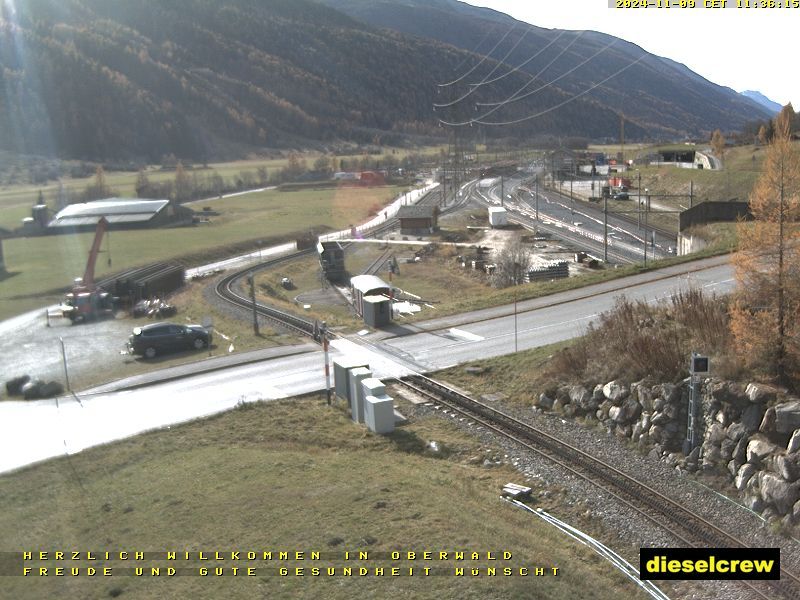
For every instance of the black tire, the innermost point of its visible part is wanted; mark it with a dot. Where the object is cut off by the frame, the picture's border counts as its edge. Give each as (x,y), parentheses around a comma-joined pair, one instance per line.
(150,352)
(199,343)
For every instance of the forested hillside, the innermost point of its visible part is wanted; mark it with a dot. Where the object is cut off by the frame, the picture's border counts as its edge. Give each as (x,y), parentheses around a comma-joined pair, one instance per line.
(122,79)
(660,95)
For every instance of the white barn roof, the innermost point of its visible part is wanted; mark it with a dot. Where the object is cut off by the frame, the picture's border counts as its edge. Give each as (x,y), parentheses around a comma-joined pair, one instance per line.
(115,210)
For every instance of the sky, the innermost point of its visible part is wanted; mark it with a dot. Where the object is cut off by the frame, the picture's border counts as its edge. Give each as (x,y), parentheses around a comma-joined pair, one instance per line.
(744,49)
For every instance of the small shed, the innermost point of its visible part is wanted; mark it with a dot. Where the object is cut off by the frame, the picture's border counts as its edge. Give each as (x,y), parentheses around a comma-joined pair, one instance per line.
(365,286)
(416,220)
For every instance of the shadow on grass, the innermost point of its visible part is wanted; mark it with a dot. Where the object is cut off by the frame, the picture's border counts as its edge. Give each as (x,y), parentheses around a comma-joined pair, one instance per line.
(410,443)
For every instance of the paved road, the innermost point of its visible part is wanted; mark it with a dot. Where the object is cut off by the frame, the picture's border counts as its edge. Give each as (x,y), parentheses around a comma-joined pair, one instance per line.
(34,431)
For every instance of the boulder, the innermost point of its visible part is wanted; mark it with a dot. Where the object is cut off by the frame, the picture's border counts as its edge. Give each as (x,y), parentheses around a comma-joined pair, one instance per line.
(545,401)
(659,418)
(768,422)
(579,394)
(645,397)
(727,392)
(733,467)
(597,393)
(759,393)
(740,451)
(711,459)
(716,433)
(626,412)
(781,494)
(787,416)
(759,448)
(656,434)
(794,442)
(558,404)
(796,511)
(736,431)
(743,475)
(754,503)
(603,409)
(672,411)
(615,391)
(645,421)
(726,449)
(752,417)
(788,466)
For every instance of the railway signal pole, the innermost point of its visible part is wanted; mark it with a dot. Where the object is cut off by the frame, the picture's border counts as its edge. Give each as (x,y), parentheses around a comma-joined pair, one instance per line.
(251,281)
(324,333)
(697,366)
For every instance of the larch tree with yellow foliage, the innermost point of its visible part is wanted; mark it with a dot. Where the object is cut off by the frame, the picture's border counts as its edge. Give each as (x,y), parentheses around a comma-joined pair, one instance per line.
(765,313)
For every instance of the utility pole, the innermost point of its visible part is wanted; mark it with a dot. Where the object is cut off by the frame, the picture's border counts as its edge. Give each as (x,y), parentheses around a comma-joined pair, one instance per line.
(644,236)
(605,229)
(64,361)
(691,192)
(324,334)
(537,201)
(502,191)
(516,347)
(639,192)
(251,281)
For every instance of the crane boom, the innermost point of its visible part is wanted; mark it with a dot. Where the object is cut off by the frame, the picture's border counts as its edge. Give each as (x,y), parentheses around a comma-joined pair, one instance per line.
(88,274)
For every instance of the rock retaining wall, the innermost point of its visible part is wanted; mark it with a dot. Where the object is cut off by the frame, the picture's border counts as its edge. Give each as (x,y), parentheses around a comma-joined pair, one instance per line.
(750,434)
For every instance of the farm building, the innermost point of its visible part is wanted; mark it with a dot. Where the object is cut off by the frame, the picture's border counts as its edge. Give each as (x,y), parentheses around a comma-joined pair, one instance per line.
(416,220)
(372,299)
(121,213)
(331,260)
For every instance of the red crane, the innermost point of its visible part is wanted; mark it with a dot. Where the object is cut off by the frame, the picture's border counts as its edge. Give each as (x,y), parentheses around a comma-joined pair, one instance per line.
(85,301)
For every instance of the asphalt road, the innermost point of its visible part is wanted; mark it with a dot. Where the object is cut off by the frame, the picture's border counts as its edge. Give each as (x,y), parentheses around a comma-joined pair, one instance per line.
(36,430)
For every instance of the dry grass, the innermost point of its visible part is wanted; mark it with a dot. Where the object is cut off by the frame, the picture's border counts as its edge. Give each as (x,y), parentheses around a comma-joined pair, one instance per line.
(290,475)
(637,340)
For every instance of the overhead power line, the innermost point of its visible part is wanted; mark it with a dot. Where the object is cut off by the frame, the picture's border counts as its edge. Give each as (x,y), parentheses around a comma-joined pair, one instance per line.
(557,106)
(480,62)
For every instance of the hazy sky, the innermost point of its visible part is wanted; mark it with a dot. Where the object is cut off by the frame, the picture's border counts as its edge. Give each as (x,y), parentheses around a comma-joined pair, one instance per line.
(744,49)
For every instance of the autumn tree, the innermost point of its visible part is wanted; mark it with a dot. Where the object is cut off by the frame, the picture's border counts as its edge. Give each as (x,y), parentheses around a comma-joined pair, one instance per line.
(512,264)
(142,185)
(98,189)
(718,143)
(183,185)
(762,135)
(766,307)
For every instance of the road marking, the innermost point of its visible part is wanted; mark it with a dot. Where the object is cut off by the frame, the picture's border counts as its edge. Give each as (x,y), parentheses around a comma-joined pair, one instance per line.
(466,335)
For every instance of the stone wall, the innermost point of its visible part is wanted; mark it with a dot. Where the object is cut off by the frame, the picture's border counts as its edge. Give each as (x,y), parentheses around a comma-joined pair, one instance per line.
(748,433)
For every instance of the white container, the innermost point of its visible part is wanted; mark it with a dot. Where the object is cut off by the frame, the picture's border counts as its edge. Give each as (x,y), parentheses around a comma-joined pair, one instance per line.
(379,413)
(358,375)
(498,216)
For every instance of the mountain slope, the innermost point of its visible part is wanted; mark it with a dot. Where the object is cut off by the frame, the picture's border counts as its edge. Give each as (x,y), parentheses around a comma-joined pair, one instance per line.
(762,100)
(114,79)
(656,93)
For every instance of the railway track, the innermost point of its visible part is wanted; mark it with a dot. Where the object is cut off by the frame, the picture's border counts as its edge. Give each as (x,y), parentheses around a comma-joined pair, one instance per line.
(689,527)
(228,288)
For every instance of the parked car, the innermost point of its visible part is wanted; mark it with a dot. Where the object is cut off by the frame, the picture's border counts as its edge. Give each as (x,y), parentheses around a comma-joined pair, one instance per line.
(162,338)
(620,196)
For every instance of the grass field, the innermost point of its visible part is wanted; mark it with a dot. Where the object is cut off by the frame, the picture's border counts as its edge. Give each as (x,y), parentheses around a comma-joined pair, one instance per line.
(16,199)
(39,265)
(294,476)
